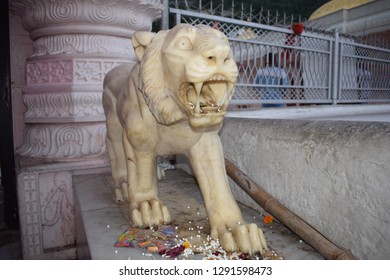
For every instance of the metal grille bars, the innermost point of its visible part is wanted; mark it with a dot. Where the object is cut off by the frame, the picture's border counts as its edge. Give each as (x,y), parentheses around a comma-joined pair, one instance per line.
(278,67)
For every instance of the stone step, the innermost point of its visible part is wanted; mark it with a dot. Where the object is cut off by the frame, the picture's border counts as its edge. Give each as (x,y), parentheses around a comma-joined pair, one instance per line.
(100,221)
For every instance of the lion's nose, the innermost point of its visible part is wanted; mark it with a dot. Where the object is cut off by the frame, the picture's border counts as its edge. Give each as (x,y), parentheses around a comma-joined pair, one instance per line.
(218,55)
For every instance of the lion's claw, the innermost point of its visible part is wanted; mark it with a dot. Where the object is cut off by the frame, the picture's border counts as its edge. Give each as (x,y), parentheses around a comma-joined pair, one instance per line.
(246,238)
(150,213)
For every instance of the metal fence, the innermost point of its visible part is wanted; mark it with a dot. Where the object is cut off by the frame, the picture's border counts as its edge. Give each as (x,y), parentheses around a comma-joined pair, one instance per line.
(315,67)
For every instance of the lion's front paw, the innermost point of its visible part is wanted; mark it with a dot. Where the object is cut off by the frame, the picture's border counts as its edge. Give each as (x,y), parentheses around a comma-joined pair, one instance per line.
(149,213)
(247,238)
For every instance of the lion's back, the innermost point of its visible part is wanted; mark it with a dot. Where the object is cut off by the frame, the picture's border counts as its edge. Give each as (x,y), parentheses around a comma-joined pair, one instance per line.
(117,78)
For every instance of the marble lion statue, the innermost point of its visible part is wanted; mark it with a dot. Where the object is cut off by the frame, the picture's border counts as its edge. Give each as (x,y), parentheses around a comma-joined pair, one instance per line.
(173,101)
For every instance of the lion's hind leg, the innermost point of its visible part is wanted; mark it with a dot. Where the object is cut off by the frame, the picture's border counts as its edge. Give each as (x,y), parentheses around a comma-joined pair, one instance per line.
(115,148)
(118,167)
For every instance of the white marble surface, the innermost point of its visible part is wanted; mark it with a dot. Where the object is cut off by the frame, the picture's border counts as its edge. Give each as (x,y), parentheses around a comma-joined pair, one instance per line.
(104,220)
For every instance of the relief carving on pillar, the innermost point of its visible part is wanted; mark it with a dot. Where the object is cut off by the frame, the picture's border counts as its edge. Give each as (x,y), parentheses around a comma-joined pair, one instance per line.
(53,71)
(117,17)
(92,70)
(66,89)
(63,105)
(30,215)
(64,142)
(64,75)
(62,10)
(47,212)
(83,43)
(50,71)
(43,105)
(88,105)
(102,11)
(56,209)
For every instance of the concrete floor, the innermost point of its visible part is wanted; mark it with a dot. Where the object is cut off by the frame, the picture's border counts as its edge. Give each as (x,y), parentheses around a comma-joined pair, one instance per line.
(104,221)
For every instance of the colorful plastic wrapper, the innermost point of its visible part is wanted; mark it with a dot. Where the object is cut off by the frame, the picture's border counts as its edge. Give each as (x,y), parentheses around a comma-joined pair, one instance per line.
(172,253)
(126,238)
(168,230)
(165,231)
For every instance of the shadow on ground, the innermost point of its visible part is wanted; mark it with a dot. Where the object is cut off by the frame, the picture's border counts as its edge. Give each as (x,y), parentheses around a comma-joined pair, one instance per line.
(10,248)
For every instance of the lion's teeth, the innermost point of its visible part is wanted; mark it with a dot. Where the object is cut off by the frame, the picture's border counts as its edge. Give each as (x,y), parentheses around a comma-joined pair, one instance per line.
(217,77)
(222,101)
(197,107)
(198,88)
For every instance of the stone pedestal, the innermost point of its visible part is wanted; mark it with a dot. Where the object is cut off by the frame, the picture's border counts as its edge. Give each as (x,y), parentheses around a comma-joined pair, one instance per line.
(75,43)
(46,205)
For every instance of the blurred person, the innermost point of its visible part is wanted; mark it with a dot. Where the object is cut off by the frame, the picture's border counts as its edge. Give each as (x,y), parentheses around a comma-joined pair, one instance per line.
(274,80)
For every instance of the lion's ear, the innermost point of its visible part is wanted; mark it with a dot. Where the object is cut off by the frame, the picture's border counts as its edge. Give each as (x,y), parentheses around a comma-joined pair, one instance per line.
(141,40)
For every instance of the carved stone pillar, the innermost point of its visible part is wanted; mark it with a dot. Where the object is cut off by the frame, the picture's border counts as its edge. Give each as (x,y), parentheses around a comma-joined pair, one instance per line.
(75,43)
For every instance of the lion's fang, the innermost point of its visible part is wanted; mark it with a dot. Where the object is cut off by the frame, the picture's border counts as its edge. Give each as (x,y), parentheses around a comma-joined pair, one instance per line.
(211,103)
(198,88)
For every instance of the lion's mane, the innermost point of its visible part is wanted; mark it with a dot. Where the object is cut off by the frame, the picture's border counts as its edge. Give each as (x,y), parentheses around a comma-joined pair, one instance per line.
(157,96)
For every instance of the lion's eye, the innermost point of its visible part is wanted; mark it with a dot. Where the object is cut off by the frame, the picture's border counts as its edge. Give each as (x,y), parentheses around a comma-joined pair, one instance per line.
(183,43)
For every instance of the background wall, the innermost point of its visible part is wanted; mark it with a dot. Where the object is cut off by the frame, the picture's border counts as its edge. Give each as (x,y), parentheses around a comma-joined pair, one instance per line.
(335,175)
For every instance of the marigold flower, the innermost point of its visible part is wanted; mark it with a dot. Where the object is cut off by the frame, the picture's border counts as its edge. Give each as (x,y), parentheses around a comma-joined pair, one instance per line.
(268,219)
(186,244)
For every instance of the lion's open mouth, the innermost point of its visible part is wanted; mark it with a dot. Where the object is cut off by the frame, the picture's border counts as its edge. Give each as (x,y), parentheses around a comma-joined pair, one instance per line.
(208,97)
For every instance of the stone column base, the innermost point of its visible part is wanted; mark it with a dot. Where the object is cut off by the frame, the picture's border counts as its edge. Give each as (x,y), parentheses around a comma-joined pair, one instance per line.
(46,207)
